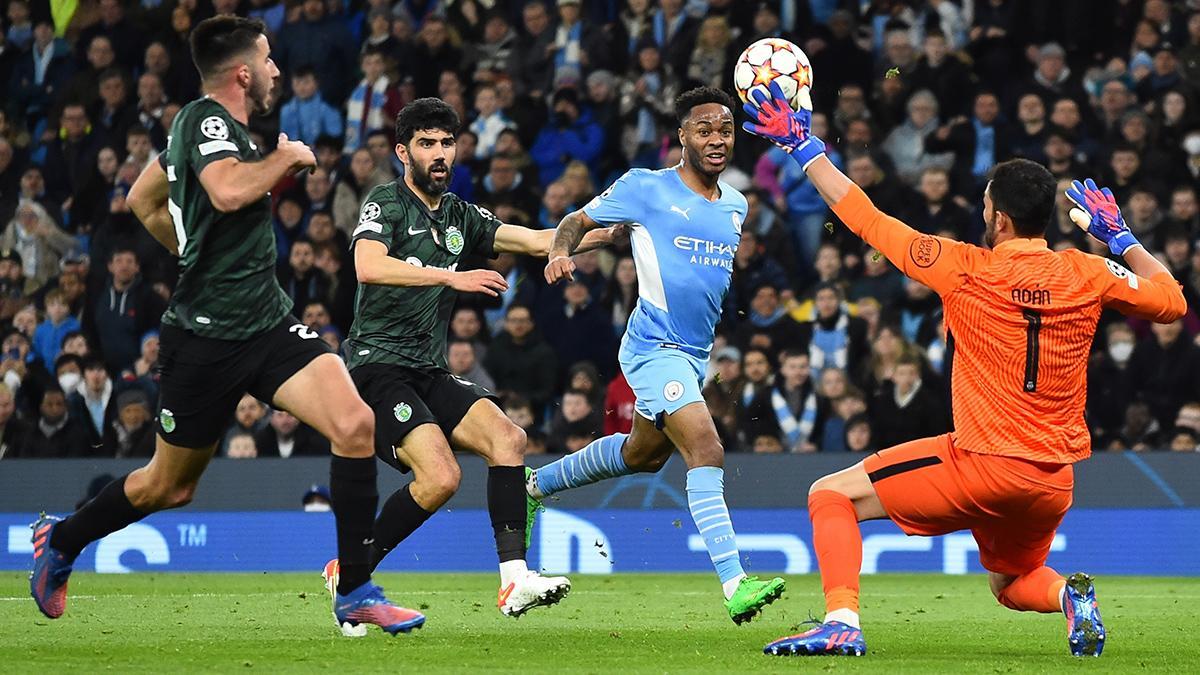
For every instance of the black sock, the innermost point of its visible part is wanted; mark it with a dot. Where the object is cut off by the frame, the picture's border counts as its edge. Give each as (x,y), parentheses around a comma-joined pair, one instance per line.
(354,497)
(107,512)
(400,517)
(506,504)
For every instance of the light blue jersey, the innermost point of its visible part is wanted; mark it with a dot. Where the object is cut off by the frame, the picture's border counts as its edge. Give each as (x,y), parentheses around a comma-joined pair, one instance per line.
(683,248)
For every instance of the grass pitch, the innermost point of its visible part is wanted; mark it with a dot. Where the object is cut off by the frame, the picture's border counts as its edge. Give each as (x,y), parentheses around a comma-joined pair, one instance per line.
(274,623)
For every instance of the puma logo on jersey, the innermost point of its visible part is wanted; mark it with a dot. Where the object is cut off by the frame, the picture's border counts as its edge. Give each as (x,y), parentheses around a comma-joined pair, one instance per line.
(682,212)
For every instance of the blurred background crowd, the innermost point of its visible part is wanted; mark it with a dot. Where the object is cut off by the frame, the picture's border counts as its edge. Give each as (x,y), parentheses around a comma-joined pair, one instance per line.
(823,347)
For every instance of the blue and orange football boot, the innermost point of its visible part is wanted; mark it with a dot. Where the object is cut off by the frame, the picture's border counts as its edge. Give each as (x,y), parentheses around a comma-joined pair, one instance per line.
(826,639)
(1085,629)
(51,569)
(367,605)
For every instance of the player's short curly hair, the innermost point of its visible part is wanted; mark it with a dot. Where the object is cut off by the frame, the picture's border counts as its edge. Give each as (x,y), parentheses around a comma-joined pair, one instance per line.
(1024,191)
(699,96)
(426,113)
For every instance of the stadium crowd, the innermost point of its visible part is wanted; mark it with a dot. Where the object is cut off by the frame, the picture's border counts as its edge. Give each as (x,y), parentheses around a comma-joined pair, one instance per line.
(824,346)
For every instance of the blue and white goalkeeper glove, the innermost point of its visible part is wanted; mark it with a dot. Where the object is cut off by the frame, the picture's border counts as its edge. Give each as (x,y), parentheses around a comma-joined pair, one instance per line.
(1097,212)
(774,120)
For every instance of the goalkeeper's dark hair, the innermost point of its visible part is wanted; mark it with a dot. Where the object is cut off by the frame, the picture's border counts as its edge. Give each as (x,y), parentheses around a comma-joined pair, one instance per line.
(426,113)
(685,102)
(1024,191)
(219,39)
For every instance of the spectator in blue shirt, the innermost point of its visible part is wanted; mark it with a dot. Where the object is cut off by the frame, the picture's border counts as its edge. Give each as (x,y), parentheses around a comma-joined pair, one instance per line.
(48,337)
(322,42)
(307,116)
(571,134)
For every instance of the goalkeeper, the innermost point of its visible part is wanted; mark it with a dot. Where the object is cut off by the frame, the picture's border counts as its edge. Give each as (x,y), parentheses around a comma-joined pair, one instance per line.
(1022,318)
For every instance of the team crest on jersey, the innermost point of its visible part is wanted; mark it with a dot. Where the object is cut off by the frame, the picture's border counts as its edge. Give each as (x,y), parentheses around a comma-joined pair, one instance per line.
(403,412)
(673,390)
(370,211)
(215,128)
(166,419)
(454,240)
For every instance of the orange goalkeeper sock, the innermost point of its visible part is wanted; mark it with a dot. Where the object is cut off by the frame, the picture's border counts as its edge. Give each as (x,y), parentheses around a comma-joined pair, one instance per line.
(838,544)
(1036,591)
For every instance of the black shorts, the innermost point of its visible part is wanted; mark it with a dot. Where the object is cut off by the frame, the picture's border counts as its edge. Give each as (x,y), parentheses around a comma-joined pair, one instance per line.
(405,398)
(202,378)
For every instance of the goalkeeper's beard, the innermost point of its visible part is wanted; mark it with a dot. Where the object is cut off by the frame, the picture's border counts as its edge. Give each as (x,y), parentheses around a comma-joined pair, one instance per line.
(989,232)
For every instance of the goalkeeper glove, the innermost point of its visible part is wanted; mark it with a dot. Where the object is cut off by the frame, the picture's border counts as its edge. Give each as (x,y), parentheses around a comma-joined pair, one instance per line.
(1097,212)
(774,120)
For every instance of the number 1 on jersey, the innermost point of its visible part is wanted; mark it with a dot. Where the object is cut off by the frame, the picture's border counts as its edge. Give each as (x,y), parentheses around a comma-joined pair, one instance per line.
(1031,348)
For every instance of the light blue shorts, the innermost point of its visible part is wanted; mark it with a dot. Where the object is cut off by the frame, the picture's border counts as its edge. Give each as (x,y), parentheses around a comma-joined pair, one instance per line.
(663,379)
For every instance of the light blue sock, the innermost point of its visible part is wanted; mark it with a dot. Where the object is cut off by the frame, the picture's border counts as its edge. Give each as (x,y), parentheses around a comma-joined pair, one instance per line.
(597,461)
(706,501)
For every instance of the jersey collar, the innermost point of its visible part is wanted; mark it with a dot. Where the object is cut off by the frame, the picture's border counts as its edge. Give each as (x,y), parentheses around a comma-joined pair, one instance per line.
(683,184)
(1021,244)
(404,191)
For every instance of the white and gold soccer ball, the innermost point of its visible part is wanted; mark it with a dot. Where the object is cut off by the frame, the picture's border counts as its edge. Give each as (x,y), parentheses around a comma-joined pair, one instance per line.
(774,59)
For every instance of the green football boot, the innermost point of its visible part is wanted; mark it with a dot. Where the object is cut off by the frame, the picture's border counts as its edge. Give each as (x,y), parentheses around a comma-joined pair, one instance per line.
(533,506)
(751,596)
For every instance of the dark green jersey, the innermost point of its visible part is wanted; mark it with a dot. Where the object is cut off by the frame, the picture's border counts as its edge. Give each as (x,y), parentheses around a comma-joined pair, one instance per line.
(407,326)
(227,287)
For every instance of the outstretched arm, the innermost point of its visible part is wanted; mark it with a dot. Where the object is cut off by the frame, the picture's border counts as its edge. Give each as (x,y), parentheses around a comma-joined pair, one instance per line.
(526,241)
(1156,296)
(934,261)
(374,266)
(937,262)
(567,238)
(831,183)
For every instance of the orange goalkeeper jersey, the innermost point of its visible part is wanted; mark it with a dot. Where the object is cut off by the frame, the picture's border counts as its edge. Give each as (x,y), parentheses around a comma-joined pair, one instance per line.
(1022,319)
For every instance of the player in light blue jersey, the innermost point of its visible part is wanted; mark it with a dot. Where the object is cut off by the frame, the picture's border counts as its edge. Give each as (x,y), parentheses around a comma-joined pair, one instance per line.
(685,226)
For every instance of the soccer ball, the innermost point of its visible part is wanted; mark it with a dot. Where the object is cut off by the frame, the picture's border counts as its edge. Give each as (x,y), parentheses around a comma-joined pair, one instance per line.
(774,59)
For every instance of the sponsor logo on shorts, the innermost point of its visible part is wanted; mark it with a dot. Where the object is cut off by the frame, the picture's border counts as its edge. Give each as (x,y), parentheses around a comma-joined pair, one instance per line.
(454,240)
(673,391)
(166,419)
(403,412)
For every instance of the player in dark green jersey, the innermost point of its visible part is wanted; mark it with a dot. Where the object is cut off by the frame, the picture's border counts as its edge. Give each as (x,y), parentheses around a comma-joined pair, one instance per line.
(411,237)
(229,330)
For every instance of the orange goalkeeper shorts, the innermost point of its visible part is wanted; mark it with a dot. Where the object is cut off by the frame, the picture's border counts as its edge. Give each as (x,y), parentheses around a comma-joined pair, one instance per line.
(1011,506)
